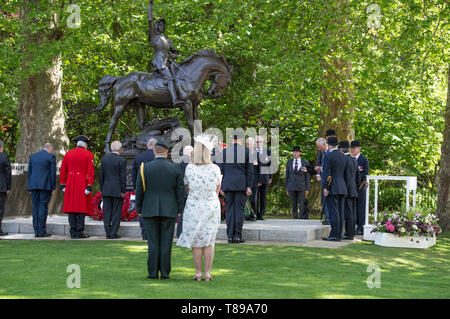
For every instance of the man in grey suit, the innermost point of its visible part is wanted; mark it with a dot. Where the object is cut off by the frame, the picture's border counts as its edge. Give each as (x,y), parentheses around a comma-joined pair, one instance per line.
(113,185)
(5,183)
(297,182)
(159,199)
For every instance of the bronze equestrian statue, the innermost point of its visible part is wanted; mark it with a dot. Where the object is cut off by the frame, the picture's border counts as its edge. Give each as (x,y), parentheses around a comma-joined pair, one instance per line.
(171,85)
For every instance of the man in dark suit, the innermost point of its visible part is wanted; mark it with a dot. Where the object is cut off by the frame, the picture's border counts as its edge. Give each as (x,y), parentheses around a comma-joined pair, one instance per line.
(237,172)
(322,147)
(264,176)
(5,183)
(363,167)
(113,186)
(352,182)
(41,184)
(186,159)
(143,157)
(159,199)
(297,183)
(335,188)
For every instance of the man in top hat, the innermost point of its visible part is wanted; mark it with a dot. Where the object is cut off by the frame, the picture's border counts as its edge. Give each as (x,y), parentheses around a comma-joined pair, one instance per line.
(363,167)
(352,181)
(77,179)
(159,199)
(237,171)
(41,184)
(335,188)
(297,182)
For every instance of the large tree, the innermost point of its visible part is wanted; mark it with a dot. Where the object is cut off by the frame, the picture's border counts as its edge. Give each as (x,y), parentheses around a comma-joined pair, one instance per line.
(443,181)
(40,108)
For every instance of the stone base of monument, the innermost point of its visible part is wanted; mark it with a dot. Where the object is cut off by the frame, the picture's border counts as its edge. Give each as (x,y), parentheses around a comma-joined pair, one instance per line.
(270,230)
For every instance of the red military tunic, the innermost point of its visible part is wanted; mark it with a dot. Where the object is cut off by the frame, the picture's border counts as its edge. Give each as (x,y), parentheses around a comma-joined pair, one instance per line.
(77,172)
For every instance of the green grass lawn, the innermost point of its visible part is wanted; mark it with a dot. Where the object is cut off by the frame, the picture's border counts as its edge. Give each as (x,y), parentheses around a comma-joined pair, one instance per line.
(117,269)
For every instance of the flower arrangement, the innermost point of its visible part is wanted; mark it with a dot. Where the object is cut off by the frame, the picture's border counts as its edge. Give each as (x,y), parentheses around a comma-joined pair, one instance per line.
(127,214)
(416,222)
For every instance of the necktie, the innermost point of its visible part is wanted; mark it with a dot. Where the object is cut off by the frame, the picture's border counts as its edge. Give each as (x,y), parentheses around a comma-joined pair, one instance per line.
(296,166)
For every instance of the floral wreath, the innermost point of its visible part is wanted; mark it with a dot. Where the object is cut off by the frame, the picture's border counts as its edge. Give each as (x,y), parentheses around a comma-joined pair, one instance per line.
(127,215)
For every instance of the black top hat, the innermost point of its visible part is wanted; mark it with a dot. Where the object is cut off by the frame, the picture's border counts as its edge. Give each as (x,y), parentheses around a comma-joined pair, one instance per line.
(333,141)
(355,144)
(296,149)
(163,143)
(330,132)
(81,138)
(344,144)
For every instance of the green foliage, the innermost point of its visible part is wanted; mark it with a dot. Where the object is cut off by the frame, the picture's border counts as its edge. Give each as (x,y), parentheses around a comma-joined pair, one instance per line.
(278,50)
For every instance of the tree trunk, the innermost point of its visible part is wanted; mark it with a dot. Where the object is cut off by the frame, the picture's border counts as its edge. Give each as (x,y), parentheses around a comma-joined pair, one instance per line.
(40,110)
(443,179)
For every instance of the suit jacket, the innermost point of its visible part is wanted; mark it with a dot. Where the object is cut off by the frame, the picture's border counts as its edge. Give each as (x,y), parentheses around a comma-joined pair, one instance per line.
(363,167)
(42,171)
(236,169)
(143,157)
(164,189)
(334,166)
(299,181)
(322,158)
(5,173)
(352,177)
(264,163)
(113,175)
(183,164)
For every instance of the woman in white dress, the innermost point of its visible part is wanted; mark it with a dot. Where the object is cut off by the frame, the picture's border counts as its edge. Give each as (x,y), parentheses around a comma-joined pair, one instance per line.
(201,216)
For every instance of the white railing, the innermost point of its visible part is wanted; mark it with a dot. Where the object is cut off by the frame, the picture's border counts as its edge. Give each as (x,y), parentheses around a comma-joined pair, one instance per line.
(411,185)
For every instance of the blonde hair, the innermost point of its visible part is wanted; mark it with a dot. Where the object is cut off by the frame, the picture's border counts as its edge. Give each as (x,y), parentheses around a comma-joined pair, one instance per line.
(201,155)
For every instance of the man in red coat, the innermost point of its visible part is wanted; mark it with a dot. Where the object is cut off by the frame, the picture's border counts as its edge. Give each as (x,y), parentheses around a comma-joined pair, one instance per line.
(77,179)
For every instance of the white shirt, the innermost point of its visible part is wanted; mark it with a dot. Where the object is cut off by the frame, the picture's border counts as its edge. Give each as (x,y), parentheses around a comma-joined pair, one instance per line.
(356,157)
(299,165)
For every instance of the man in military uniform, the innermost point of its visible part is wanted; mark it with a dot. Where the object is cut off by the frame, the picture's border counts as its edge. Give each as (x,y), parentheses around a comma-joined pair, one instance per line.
(162,46)
(159,199)
(77,179)
(363,167)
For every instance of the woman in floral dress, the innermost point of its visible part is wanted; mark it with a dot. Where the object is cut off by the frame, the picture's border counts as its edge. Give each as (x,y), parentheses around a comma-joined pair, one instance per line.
(201,216)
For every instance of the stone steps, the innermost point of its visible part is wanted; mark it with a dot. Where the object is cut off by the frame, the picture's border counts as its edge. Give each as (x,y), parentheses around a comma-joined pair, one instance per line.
(270,230)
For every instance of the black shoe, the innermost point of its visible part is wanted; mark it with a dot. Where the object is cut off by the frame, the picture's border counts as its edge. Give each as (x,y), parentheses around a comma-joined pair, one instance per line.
(165,277)
(325,223)
(3,233)
(84,235)
(331,239)
(115,236)
(347,238)
(238,241)
(260,218)
(152,277)
(230,240)
(359,232)
(108,236)
(45,235)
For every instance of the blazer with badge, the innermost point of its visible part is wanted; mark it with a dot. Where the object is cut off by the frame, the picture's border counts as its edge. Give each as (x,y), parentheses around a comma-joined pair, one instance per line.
(363,167)
(113,175)
(299,181)
(42,171)
(264,163)
(5,173)
(164,189)
(352,176)
(334,167)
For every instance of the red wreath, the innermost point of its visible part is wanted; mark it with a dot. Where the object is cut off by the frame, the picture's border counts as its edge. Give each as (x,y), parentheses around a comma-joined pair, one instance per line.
(127,216)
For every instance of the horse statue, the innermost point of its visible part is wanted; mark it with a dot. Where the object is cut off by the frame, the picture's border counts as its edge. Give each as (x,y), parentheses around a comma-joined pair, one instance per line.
(140,89)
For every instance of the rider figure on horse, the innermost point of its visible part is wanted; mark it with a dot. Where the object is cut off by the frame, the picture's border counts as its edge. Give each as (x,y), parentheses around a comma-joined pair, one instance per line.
(162,61)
